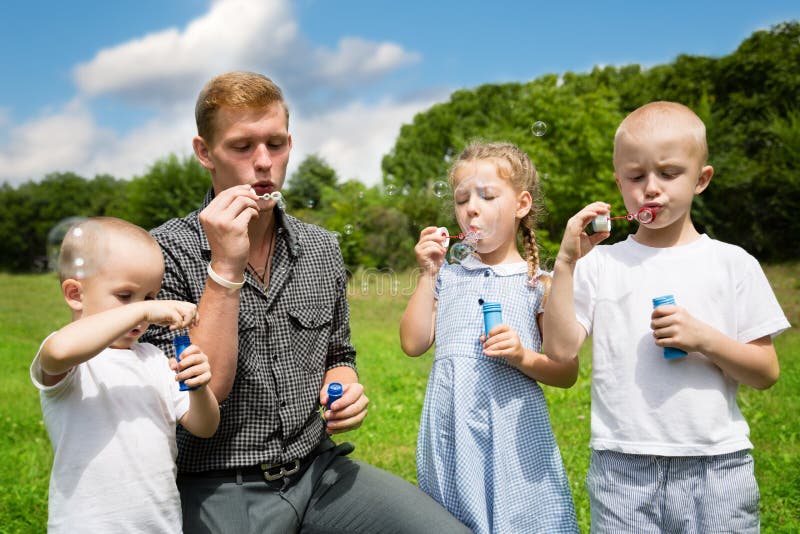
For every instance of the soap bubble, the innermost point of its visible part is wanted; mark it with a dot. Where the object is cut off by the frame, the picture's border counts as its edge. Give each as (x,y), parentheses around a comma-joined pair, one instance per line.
(441,189)
(348,229)
(390,189)
(310,203)
(459,252)
(338,236)
(539,128)
(79,260)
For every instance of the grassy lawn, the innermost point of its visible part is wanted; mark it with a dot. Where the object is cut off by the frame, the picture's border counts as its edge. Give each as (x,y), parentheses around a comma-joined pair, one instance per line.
(31,307)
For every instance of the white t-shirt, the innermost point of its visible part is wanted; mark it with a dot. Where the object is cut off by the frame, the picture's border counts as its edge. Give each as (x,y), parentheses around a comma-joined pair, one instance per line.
(643,403)
(112,422)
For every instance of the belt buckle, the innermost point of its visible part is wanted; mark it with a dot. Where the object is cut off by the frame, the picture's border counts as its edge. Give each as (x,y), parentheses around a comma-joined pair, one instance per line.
(278,471)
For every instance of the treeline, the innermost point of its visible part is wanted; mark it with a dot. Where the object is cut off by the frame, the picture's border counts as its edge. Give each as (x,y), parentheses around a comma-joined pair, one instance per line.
(748,100)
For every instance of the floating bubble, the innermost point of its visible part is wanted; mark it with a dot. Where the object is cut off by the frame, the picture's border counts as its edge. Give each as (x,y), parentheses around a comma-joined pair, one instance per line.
(348,229)
(391,189)
(441,189)
(338,236)
(78,259)
(56,236)
(459,252)
(539,128)
(360,195)
(310,203)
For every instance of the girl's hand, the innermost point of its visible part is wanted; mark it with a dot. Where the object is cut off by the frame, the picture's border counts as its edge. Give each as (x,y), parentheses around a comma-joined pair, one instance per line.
(576,243)
(193,368)
(503,342)
(429,251)
(173,313)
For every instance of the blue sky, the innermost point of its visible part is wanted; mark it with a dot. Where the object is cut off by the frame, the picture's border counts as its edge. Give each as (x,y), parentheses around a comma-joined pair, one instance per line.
(109,87)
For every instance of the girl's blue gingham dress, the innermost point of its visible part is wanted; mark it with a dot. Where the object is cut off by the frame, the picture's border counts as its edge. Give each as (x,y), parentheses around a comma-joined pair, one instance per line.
(485,449)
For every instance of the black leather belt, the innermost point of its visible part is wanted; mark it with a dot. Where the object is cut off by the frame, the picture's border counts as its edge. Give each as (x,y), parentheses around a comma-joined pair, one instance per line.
(267,472)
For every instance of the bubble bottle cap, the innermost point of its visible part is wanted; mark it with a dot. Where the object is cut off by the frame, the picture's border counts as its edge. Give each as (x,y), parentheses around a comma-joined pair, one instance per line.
(180,343)
(335,391)
(492,315)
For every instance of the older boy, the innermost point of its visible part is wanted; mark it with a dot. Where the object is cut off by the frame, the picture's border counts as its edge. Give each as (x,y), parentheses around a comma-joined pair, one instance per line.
(111,405)
(670,448)
(272,293)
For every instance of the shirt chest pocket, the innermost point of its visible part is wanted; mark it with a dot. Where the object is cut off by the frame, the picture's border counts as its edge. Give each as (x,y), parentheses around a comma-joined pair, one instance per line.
(310,335)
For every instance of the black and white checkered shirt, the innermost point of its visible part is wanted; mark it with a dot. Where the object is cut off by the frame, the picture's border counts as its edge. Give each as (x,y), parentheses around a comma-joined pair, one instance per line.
(288,337)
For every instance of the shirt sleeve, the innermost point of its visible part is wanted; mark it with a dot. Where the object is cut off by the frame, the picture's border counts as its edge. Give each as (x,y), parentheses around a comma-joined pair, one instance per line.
(37,378)
(585,290)
(758,312)
(340,349)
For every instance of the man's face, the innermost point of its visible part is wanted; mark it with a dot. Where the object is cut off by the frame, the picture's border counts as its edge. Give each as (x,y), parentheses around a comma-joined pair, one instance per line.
(250,146)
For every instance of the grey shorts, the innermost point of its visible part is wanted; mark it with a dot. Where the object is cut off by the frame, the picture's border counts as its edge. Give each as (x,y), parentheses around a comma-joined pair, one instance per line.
(659,494)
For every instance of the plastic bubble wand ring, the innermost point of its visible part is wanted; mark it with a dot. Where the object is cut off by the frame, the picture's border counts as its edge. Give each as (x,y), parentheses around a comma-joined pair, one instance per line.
(602,223)
(275,195)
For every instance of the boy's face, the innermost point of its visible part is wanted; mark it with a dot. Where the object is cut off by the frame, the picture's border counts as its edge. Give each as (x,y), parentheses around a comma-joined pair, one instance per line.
(251,146)
(662,169)
(131,272)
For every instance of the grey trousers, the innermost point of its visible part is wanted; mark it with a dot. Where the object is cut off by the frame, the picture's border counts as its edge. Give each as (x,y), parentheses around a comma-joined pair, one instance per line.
(334,495)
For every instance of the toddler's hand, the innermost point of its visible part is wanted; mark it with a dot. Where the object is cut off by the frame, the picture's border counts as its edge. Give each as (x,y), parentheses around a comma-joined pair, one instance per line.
(429,251)
(193,368)
(576,243)
(175,313)
(503,342)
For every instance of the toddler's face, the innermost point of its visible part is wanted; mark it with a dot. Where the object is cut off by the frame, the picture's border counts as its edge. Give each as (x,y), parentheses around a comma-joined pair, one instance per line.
(129,274)
(485,204)
(659,169)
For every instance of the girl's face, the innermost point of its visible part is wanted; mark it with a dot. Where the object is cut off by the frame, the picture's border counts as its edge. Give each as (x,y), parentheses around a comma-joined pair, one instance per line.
(488,206)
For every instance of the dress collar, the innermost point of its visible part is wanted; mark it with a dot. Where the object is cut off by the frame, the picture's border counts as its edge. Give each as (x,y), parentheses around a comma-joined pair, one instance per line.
(472,263)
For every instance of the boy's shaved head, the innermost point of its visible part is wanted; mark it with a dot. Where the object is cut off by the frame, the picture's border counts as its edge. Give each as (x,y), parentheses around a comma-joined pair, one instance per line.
(662,115)
(87,244)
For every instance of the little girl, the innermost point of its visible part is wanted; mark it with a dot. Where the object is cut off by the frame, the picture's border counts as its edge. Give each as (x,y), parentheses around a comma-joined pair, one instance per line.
(486,450)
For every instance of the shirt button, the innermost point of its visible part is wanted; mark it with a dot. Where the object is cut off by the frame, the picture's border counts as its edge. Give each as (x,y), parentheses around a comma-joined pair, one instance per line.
(283,403)
(486,273)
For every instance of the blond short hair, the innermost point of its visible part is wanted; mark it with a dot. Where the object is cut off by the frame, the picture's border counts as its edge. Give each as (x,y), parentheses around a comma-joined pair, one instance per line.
(656,114)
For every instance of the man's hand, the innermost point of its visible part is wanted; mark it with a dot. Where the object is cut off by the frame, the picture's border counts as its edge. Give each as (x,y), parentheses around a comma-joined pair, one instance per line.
(346,413)
(225,222)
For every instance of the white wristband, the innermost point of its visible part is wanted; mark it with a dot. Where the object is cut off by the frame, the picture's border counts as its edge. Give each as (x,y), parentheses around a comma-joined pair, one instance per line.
(221,281)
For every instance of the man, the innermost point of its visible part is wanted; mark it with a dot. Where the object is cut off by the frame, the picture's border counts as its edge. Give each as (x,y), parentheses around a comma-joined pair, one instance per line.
(274,320)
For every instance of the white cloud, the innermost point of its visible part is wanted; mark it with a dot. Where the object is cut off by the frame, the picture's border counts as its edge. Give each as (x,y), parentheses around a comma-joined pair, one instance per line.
(354,139)
(162,72)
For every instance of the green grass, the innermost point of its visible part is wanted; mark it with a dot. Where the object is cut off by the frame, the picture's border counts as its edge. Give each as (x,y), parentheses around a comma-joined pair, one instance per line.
(31,307)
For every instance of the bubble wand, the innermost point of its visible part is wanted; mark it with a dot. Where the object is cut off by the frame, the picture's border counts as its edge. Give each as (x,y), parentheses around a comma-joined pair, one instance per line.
(602,223)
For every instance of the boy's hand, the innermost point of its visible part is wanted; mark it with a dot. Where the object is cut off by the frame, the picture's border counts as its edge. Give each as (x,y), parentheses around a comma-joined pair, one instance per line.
(673,326)
(429,251)
(348,412)
(175,313)
(503,342)
(576,243)
(193,368)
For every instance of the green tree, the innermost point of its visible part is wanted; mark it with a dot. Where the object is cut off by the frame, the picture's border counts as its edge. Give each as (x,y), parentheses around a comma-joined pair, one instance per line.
(305,186)
(172,187)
